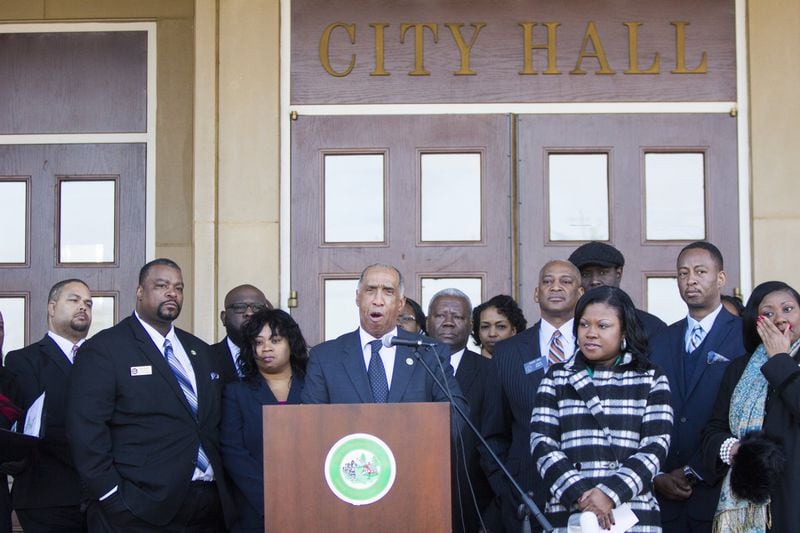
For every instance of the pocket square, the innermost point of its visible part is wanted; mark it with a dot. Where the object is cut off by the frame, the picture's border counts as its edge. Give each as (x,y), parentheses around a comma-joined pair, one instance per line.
(714,357)
(214,376)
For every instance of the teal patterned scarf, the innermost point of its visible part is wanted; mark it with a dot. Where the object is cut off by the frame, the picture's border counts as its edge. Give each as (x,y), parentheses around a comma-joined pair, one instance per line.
(746,415)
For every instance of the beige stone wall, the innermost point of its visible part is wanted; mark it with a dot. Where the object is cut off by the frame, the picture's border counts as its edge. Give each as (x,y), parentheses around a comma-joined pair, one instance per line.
(774,139)
(237,230)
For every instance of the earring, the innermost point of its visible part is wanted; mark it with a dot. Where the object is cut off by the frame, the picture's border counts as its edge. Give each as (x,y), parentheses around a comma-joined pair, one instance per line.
(623,345)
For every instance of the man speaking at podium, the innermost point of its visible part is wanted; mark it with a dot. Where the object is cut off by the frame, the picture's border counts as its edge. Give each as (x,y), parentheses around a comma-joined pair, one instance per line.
(364,367)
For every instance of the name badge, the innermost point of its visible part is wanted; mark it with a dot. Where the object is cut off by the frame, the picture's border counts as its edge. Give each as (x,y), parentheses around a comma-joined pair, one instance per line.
(141,370)
(535,365)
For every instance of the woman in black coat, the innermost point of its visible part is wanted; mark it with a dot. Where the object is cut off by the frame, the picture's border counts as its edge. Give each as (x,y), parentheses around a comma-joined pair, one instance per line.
(274,356)
(760,392)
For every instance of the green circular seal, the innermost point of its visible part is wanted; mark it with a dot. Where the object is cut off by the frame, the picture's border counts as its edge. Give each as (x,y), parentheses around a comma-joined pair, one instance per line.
(360,469)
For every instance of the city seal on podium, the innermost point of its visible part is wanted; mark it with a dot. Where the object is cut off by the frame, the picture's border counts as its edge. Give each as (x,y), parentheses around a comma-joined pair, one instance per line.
(360,469)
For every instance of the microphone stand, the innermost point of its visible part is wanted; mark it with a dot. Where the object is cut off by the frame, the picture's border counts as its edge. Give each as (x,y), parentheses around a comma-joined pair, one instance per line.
(527,501)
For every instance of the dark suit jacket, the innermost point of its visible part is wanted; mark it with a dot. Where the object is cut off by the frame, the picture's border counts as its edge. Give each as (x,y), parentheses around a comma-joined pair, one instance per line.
(507,426)
(692,403)
(652,324)
(242,445)
(138,432)
(224,361)
(337,374)
(49,478)
(471,376)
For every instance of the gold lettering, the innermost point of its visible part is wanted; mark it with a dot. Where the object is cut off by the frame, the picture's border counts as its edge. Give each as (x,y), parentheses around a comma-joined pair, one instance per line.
(419,39)
(633,52)
(464,50)
(379,27)
(527,44)
(324,48)
(599,53)
(680,52)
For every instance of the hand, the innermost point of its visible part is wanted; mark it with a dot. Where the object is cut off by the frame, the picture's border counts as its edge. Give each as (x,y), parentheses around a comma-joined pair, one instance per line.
(673,485)
(734,451)
(595,501)
(774,341)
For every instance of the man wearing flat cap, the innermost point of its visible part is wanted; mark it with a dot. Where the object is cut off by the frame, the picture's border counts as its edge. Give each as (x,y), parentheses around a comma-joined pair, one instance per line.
(601,265)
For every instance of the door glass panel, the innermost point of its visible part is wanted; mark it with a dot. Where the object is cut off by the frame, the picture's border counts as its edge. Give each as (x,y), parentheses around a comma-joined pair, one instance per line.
(354,200)
(472,287)
(102,313)
(450,183)
(13,310)
(87,215)
(13,220)
(664,300)
(578,197)
(675,196)
(341,312)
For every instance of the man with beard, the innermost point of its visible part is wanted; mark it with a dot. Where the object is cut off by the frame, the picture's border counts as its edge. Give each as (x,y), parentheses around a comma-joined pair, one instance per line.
(143,417)
(240,304)
(47,492)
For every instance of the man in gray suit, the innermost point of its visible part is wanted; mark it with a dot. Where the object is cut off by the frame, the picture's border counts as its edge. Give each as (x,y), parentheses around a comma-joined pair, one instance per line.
(357,368)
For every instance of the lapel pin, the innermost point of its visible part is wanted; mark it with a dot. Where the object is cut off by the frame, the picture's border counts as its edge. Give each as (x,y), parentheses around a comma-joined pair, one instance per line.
(409,361)
(192,352)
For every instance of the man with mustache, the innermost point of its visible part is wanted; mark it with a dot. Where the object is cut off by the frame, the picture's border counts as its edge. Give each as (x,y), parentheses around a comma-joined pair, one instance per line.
(694,353)
(47,492)
(240,304)
(357,368)
(518,365)
(143,416)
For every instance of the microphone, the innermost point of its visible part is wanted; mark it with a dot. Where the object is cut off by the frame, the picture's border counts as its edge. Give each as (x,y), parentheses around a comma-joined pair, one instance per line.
(388,341)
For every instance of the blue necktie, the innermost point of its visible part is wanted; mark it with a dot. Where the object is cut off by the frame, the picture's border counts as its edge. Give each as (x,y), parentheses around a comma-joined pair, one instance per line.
(377,374)
(186,386)
(696,338)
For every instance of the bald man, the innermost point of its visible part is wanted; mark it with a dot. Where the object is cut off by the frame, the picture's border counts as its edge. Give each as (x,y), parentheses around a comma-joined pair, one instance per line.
(518,365)
(240,304)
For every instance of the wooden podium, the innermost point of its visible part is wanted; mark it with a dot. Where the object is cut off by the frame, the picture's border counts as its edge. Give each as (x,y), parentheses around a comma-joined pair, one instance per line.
(299,439)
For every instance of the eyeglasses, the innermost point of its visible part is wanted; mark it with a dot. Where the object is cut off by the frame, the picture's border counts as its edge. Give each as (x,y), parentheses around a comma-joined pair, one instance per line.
(406,318)
(242,308)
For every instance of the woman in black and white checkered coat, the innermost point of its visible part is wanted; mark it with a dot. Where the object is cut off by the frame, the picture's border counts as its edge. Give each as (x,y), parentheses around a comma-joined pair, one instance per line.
(601,422)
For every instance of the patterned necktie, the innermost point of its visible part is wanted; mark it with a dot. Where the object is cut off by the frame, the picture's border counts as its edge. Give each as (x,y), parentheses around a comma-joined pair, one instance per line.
(696,338)
(188,391)
(377,374)
(72,353)
(556,354)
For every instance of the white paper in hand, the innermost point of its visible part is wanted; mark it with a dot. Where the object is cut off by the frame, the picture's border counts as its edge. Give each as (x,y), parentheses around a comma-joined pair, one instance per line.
(587,522)
(33,419)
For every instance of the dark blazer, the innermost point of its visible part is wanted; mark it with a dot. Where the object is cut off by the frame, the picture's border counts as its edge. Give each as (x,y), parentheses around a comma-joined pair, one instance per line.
(471,376)
(692,402)
(49,478)
(136,430)
(242,445)
(652,324)
(337,374)
(507,426)
(224,361)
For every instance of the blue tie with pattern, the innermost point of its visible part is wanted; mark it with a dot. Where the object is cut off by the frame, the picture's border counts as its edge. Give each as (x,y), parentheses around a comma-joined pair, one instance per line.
(377,374)
(696,338)
(188,391)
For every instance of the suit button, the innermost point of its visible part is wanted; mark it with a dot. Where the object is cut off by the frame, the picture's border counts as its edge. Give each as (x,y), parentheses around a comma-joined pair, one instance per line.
(683,419)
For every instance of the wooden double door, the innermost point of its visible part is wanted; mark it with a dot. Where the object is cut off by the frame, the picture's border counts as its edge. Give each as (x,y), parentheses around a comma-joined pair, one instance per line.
(481,202)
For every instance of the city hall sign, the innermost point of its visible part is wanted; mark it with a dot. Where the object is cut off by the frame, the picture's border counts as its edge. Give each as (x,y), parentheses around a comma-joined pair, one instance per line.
(368,51)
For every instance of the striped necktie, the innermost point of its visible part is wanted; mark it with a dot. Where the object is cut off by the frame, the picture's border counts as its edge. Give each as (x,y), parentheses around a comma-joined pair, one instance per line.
(188,391)
(72,353)
(377,374)
(695,339)
(556,354)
